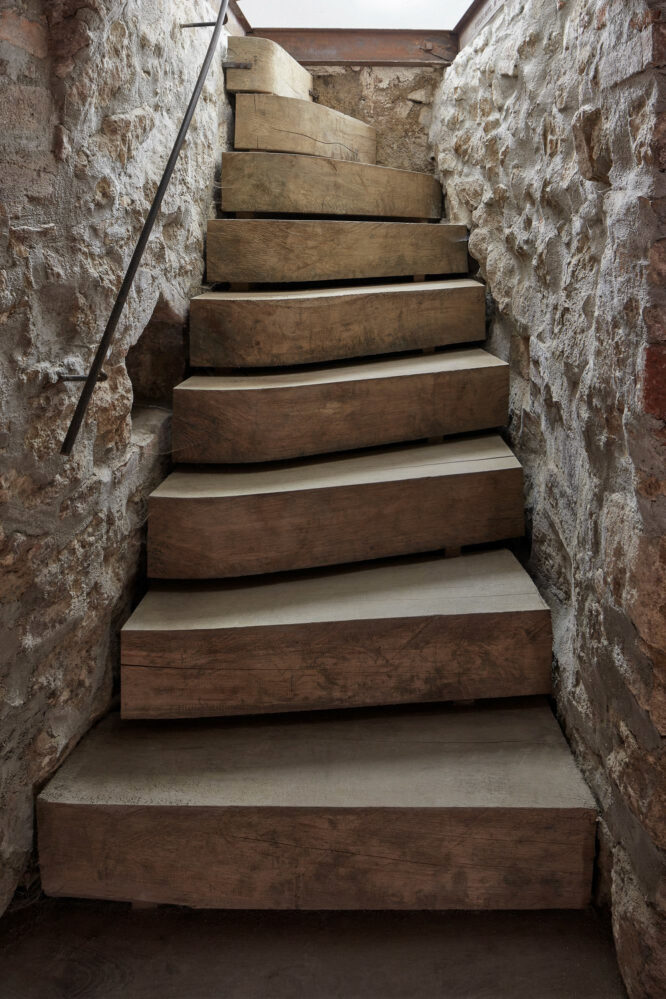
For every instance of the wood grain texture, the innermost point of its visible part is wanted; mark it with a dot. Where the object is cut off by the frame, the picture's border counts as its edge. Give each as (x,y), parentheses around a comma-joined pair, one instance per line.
(286,183)
(273,70)
(440,809)
(431,630)
(334,510)
(365,46)
(248,418)
(267,328)
(288,125)
(290,250)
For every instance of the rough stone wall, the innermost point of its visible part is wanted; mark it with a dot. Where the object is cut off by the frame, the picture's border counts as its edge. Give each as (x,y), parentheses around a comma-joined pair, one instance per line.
(92,96)
(397,100)
(550,137)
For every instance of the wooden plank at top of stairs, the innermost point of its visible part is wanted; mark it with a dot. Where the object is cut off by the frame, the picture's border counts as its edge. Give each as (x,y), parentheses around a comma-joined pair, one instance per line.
(270,417)
(287,125)
(264,328)
(295,250)
(273,70)
(429,630)
(212,524)
(444,808)
(291,184)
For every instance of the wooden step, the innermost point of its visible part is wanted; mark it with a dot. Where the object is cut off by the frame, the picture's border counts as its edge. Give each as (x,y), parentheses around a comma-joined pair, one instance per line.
(272,71)
(264,328)
(284,184)
(213,524)
(296,250)
(434,809)
(252,418)
(430,630)
(288,125)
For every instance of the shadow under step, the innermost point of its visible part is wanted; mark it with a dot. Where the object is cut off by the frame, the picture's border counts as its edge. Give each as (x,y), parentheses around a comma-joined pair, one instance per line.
(270,417)
(207,524)
(435,629)
(446,808)
(265,328)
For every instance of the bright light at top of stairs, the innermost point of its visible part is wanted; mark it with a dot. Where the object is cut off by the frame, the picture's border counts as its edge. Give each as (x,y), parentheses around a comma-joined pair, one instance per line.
(378,14)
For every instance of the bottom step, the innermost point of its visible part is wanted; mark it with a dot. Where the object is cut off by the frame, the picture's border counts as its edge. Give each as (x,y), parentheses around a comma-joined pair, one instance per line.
(465,808)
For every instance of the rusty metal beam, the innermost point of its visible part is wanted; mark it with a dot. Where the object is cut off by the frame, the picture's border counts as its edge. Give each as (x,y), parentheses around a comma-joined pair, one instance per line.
(365,46)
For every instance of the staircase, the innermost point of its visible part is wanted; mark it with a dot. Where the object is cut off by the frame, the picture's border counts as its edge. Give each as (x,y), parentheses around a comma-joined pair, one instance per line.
(336,450)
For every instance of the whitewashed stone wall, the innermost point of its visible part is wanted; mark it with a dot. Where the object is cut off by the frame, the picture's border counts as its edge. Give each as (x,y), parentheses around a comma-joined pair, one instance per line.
(549,136)
(92,97)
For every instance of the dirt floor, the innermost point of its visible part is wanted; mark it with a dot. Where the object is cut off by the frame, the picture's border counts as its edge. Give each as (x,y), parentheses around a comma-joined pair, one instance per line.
(88,950)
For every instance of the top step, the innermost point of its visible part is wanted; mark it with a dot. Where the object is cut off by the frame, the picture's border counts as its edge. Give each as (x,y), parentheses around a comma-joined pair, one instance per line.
(273,71)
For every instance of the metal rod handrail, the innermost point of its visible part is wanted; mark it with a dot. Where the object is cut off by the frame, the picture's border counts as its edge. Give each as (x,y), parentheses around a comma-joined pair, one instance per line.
(119,304)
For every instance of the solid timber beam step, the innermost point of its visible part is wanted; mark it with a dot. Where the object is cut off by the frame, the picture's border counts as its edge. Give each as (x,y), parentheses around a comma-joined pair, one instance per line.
(211,524)
(296,250)
(272,69)
(264,328)
(287,125)
(435,629)
(252,418)
(431,809)
(285,183)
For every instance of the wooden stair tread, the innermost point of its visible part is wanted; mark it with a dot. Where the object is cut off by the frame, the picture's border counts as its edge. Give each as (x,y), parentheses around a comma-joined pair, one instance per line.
(404,367)
(272,417)
(429,809)
(460,457)
(483,583)
(263,328)
(433,630)
(286,183)
(295,250)
(285,124)
(273,70)
(492,756)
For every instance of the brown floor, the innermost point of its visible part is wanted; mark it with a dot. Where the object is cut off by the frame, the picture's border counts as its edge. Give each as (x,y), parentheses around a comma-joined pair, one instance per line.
(84,950)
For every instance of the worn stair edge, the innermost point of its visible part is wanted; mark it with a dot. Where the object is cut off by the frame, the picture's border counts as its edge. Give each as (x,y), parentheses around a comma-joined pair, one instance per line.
(286,125)
(255,418)
(297,250)
(334,510)
(264,328)
(432,630)
(273,70)
(287,183)
(444,808)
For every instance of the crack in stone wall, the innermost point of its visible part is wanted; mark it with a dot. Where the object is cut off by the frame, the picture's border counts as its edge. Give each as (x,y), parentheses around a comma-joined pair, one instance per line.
(549,135)
(93,96)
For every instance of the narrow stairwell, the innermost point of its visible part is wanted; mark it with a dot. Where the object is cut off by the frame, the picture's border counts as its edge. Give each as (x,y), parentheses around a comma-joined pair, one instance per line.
(336,452)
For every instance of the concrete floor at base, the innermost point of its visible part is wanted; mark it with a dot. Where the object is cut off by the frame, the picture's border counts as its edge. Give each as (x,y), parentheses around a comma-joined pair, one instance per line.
(87,950)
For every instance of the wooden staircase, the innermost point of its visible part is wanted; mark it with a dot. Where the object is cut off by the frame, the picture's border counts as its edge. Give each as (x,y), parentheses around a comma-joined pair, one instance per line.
(339,449)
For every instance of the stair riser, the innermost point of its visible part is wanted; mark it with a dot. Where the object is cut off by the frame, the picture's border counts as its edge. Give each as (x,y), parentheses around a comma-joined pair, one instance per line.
(286,184)
(237,535)
(293,251)
(254,332)
(319,858)
(192,674)
(284,125)
(256,425)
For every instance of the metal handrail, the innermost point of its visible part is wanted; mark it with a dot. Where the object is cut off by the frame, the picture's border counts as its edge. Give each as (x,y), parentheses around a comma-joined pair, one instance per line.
(121,298)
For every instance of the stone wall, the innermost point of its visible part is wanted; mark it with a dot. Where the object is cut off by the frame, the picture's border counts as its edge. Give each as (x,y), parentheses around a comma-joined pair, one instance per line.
(550,138)
(397,100)
(92,97)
